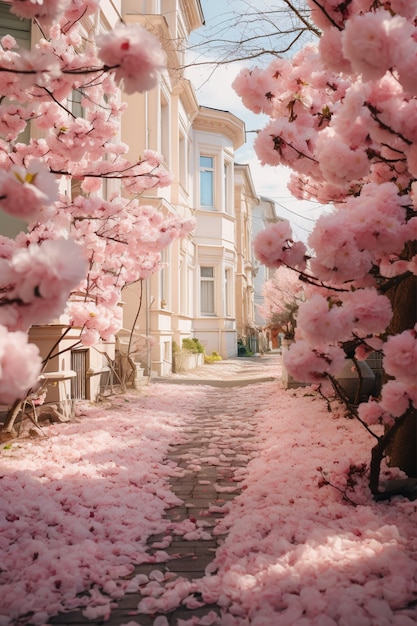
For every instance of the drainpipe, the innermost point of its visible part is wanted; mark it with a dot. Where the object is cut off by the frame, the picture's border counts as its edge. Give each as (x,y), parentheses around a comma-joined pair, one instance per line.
(148,304)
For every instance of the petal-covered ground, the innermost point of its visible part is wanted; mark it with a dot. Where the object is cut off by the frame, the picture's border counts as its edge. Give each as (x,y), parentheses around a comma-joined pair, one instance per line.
(304,545)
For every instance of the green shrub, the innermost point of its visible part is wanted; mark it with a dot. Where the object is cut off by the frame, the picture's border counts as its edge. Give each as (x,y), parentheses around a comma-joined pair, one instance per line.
(193,345)
(242,349)
(214,356)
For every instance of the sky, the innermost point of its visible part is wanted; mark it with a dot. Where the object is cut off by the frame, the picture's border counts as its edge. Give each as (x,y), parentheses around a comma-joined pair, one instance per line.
(208,84)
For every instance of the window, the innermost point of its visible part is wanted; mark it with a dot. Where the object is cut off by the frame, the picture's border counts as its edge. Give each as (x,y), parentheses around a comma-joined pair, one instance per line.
(207,291)
(10,24)
(79,360)
(182,158)
(227,205)
(163,296)
(227,293)
(207,181)
(165,131)
(75,103)
(20,29)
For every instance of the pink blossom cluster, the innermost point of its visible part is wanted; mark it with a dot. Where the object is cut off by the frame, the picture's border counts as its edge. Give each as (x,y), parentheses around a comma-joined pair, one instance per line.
(47,11)
(136,55)
(274,246)
(337,319)
(37,281)
(25,192)
(20,365)
(343,118)
(313,365)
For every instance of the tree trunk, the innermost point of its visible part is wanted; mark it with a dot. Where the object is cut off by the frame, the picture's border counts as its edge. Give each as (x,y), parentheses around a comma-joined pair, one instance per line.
(402,451)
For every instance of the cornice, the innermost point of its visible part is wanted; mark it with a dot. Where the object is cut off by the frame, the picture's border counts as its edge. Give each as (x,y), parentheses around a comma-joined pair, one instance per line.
(193,14)
(221,122)
(185,91)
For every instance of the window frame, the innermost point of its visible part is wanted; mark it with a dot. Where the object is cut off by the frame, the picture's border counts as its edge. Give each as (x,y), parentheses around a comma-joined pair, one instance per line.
(207,307)
(203,170)
(228,205)
(228,292)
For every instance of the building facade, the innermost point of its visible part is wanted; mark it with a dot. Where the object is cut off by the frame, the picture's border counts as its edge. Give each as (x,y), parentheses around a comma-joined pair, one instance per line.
(206,289)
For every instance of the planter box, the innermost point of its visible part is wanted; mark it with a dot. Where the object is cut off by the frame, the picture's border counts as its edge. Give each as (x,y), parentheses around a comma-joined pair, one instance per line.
(186,361)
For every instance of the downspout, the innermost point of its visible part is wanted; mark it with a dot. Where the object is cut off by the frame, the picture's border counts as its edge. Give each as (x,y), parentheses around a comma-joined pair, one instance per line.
(148,283)
(148,328)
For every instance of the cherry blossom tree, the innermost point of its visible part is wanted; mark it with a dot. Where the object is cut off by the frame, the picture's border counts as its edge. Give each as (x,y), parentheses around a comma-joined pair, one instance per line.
(282,295)
(81,247)
(342,117)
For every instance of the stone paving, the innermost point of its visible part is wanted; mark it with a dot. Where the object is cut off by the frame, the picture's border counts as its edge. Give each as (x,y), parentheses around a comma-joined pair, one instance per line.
(204,487)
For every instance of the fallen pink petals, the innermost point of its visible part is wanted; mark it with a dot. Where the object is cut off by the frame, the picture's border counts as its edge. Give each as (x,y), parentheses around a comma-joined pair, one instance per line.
(79,506)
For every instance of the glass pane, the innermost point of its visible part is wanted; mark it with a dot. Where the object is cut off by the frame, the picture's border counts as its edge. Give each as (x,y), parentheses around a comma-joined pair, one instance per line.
(10,24)
(206,188)
(207,297)
(207,272)
(206,162)
(226,292)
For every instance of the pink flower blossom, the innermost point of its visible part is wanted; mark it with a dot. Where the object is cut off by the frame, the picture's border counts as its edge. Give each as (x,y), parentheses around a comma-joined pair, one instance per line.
(338,258)
(400,356)
(338,162)
(312,365)
(8,42)
(394,398)
(12,122)
(91,185)
(153,158)
(406,8)
(47,11)
(25,191)
(20,365)
(39,278)
(406,69)
(77,9)
(322,322)
(370,41)
(274,246)
(136,55)
(258,87)
(370,311)
(370,412)
(286,143)
(330,46)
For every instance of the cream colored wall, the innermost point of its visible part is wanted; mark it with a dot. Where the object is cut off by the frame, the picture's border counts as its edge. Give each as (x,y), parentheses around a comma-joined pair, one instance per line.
(146,125)
(246,202)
